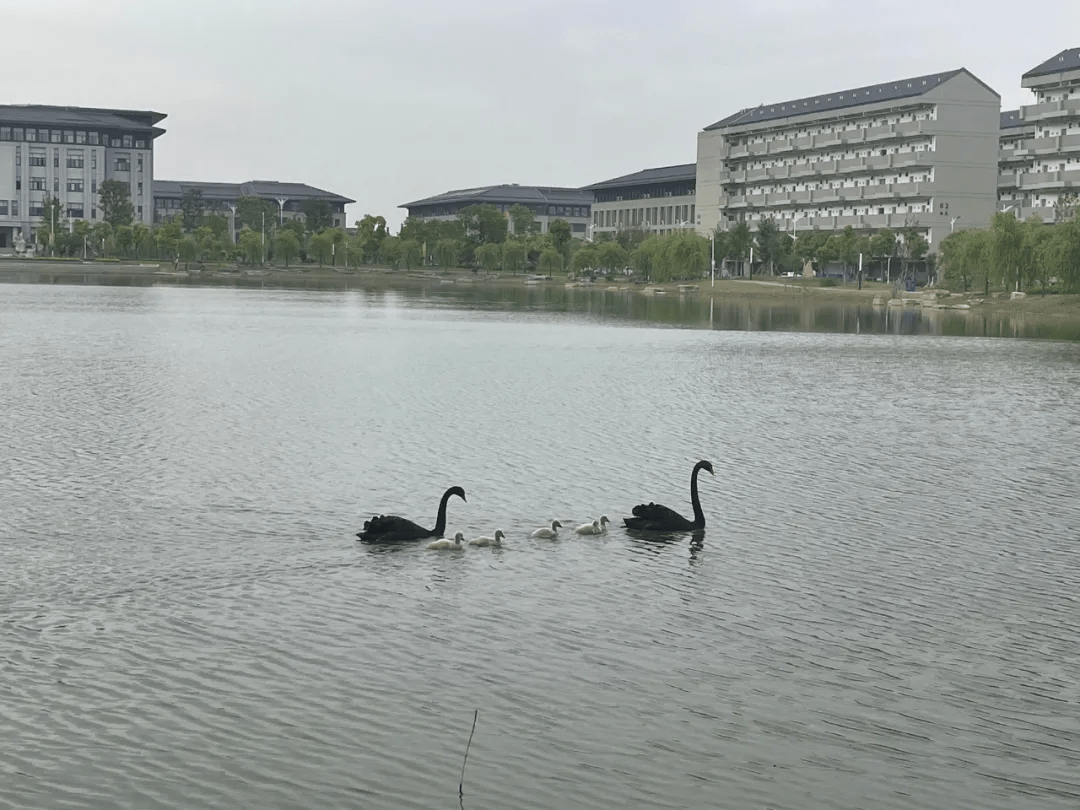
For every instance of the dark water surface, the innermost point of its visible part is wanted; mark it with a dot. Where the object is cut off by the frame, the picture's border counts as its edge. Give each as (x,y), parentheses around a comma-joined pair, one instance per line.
(882,612)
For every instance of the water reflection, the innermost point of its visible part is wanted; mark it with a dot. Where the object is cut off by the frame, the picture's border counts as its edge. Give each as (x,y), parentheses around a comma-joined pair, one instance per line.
(792,311)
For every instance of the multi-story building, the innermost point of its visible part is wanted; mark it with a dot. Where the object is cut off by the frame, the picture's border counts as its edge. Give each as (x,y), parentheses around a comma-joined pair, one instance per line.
(658,200)
(1040,142)
(67,153)
(221,198)
(920,152)
(547,204)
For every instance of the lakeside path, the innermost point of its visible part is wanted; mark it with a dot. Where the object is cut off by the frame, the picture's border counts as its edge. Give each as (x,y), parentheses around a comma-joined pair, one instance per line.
(787,291)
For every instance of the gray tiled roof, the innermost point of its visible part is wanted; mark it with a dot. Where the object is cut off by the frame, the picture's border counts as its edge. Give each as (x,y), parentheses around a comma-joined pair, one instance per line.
(662,174)
(252,188)
(887,91)
(1011,119)
(1066,60)
(508,193)
(81,117)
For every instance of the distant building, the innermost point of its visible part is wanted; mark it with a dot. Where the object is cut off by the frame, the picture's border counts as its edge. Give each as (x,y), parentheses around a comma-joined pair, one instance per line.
(67,152)
(919,152)
(658,200)
(288,198)
(546,202)
(1040,142)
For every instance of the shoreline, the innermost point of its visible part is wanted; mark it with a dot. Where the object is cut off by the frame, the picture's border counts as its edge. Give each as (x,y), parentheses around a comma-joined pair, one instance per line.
(774,290)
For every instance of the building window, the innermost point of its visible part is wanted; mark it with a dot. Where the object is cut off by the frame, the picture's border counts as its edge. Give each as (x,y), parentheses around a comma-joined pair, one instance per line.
(123,164)
(36,209)
(31,134)
(140,212)
(114,142)
(37,160)
(5,135)
(55,136)
(74,161)
(140,144)
(15,206)
(38,184)
(56,158)
(18,184)
(139,163)
(127,141)
(93,186)
(93,158)
(95,139)
(93,213)
(140,189)
(80,137)
(17,134)
(69,136)
(75,212)
(75,185)
(3,208)
(56,185)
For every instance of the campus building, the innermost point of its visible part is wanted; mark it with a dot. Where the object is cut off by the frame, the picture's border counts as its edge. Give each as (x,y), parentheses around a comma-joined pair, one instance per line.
(66,153)
(657,200)
(546,202)
(1040,142)
(221,198)
(919,152)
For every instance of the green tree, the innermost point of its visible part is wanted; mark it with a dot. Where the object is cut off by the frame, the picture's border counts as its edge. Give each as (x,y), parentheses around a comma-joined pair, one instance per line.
(561,233)
(53,222)
(551,261)
(1066,208)
(846,249)
(168,236)
(217,223)
(513,257)
(739,241)
(251,245)
(447,253)
(644,256)
(611,256)
(585,258)
(124,239)
(187,250)
(883,248)
(390,251)
(192,208)
(287,245)
(141,239)
(767,240)
(483,223)
(114,198)
(318,215)
(411,253)
(489,256)
(321,246)
(256,214)
(523,219)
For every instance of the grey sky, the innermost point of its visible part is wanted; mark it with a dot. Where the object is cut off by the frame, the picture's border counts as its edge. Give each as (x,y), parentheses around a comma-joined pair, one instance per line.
(387,102)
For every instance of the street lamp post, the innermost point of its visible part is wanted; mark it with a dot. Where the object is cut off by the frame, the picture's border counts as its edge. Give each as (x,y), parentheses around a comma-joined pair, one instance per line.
(232,223)
(264,237)
(794,223)
(952,223)
(281,206)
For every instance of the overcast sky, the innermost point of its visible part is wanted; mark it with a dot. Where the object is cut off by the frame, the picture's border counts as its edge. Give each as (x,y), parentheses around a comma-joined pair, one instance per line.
(388,101)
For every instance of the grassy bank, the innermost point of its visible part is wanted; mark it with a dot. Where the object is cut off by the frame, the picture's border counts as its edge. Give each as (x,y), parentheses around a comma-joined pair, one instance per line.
(765,289)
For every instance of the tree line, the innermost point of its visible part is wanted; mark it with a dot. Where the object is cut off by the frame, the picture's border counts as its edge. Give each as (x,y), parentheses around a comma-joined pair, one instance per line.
(1014,255)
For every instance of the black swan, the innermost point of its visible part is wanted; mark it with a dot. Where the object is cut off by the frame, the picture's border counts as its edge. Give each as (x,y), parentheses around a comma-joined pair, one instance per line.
(656,518)
(393,529)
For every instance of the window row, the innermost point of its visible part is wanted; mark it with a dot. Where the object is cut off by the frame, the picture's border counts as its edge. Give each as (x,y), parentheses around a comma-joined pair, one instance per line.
(839,125)
(681,215)
(34,135)
(924,145)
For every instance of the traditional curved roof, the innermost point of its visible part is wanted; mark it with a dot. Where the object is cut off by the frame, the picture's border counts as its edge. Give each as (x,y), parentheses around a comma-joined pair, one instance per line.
(507,193)
(662,174)
(82,117)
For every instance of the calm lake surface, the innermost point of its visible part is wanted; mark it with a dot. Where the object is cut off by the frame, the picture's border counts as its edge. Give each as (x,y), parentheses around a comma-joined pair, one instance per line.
(882,612)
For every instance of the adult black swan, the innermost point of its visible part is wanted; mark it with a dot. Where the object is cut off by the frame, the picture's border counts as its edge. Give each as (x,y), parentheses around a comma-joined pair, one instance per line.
(394,529)
(653,517)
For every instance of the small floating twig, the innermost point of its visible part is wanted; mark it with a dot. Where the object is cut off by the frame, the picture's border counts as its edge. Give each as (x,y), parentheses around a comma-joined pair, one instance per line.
(461,784)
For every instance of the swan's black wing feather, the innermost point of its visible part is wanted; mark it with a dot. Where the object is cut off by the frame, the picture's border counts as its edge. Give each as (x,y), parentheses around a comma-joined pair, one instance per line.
(655,517)
(391,528)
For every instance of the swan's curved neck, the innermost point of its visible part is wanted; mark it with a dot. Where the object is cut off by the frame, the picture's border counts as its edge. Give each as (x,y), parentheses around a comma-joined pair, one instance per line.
(440,521)
(699,516)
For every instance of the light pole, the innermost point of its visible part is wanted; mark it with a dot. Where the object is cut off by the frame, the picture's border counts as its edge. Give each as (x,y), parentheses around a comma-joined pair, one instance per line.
(952,223)
(794,223)
(1007,208)
(281,205)
(264,237)
(232,223)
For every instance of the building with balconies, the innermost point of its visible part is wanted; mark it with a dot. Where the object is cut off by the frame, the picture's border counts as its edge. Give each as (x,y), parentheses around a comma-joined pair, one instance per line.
(546,202)
(66,153)
(1041,164)
(657,200)
(916,153)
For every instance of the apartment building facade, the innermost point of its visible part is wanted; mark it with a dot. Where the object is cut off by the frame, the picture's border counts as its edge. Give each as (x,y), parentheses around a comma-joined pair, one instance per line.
(658,200)
(1040,142)
(547,203)
(920,152)
(66,153)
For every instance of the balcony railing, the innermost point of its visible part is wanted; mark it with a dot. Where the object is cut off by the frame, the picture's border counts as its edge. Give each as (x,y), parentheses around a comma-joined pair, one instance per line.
(1050,109)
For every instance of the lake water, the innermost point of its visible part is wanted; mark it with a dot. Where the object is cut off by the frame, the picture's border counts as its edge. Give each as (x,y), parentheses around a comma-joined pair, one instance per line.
(882,611)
